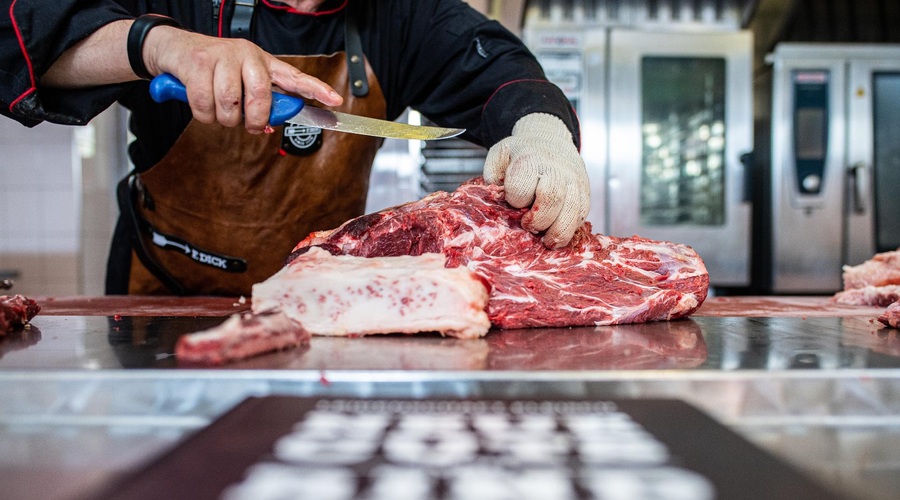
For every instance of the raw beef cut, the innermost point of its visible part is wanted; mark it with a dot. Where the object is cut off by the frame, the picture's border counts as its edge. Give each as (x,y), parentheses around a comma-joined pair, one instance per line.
(882,269)
(346,295)
(891,316)
(240,337)
(16,311)
(597,280)
(879,296)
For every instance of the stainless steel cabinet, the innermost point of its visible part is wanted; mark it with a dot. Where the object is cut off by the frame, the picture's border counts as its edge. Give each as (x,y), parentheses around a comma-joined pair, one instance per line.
(835,161)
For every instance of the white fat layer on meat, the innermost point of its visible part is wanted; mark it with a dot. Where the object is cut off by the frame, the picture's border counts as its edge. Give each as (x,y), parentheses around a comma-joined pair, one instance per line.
(346,295)
(507,297)
(514,269)
(464,239)
(673,265)
(625,314)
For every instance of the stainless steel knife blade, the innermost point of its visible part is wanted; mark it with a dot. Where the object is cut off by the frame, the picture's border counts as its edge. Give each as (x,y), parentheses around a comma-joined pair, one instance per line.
(285,108)
(311,116)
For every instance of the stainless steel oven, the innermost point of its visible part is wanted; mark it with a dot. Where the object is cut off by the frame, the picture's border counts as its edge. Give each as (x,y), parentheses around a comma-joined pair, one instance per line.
(665,117)
(680,114)
(835,162)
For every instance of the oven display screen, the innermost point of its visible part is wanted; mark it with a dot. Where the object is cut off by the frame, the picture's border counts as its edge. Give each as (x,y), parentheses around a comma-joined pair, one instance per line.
(810,129)
(810,123)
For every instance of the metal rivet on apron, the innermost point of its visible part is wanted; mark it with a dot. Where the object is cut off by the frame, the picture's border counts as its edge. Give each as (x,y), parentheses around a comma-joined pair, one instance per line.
(358,83)
(354,58)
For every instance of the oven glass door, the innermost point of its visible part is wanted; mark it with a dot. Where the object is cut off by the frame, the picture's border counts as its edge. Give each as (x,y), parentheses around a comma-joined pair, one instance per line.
(873,158)
(886,158)
(680,117)
(683,141)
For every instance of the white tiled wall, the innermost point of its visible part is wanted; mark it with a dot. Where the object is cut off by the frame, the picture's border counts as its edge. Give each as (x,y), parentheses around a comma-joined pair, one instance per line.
(40,174)
(57,209)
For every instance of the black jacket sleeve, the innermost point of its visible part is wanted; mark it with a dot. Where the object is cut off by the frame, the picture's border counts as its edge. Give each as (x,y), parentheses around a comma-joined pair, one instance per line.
(33,34)
(460,69)
(440,57)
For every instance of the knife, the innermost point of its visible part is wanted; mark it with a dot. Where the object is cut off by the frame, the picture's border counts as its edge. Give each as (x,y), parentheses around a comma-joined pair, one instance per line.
(290,109)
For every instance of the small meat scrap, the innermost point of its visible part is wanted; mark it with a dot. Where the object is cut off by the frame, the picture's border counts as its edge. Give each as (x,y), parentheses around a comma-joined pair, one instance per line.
(877,296)
(344,295)
(891,316)
(240,337)
(15,312)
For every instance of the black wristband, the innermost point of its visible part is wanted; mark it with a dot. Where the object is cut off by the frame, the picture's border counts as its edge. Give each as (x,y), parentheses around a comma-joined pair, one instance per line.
(136,37)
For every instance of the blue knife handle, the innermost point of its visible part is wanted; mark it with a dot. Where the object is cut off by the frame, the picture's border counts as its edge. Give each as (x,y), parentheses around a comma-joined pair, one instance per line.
(166,87)
(283,107)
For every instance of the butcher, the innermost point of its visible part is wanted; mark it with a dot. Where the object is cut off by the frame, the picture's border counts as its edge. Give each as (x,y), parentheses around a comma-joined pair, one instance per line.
(217,198)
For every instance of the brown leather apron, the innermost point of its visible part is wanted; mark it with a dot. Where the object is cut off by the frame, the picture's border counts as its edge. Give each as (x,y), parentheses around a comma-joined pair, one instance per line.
(222,191)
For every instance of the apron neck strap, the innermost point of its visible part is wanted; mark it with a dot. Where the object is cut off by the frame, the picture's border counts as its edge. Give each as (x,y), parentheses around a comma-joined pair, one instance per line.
(233,19)
(356,63)
(241,19)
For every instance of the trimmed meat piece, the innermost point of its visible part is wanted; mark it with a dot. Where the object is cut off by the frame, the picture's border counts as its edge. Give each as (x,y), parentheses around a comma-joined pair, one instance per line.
(875,282)
(240,337)
(891,316)
(346,295)
(882,269)
(879,296)
(596,280)
(16,311)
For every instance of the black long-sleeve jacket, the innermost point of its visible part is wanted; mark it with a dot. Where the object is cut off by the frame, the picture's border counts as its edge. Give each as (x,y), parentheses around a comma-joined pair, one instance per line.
(439,57)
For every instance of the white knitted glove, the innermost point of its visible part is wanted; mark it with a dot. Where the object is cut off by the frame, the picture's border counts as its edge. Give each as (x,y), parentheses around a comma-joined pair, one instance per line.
(540,166)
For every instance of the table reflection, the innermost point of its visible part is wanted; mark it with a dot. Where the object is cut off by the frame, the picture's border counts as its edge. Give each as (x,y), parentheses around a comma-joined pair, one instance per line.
(659,345)
(19,339)
(700,343)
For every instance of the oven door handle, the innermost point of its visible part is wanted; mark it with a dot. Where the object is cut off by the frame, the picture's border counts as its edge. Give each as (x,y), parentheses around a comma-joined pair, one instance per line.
(860,175)
(747,161)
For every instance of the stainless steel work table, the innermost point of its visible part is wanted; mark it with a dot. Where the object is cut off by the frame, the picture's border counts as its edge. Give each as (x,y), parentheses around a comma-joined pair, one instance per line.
(91,389)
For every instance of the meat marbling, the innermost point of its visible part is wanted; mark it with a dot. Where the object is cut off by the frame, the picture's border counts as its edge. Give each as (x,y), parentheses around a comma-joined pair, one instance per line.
(346,295)
(597,280)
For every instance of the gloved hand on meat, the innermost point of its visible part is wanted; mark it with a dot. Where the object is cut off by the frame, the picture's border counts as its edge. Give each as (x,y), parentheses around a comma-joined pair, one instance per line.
(540,167)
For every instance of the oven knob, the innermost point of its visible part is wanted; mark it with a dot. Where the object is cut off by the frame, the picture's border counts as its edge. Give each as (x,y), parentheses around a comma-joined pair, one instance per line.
(811,183)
